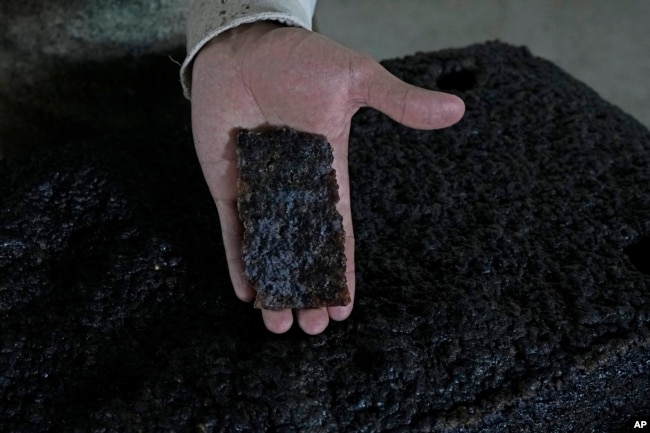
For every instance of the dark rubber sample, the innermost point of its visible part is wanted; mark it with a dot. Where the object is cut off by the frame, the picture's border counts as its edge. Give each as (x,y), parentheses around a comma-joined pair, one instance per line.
(502,275)
(293,241)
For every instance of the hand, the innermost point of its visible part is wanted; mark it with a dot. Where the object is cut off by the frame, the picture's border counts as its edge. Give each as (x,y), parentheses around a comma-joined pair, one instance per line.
(265,74)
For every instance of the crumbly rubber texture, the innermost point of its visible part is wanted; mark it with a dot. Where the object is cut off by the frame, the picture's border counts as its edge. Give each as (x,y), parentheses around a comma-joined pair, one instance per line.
(293,241)
(501,267)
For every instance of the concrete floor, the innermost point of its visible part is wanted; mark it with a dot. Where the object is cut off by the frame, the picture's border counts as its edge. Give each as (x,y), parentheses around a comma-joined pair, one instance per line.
(603,43)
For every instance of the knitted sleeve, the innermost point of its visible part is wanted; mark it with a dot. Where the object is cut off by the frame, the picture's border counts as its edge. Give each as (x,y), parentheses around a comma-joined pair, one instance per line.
(208,18)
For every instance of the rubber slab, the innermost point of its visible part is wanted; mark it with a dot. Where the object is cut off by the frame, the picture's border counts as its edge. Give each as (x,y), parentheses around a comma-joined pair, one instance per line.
(293,238)
(502,276)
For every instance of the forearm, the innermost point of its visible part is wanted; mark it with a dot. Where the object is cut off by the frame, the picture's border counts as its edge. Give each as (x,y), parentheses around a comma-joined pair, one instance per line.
(209,18)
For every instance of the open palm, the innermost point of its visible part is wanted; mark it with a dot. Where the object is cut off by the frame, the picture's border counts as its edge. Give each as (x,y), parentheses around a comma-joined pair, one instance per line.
(265,74)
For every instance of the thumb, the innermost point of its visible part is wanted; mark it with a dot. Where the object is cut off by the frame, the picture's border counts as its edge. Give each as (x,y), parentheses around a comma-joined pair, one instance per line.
(409,105)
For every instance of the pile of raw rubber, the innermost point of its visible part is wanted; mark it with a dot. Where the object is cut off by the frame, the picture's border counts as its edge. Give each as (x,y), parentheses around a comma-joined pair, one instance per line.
(501,281)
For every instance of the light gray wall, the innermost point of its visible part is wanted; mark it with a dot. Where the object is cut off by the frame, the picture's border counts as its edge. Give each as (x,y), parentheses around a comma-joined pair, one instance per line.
(604,43)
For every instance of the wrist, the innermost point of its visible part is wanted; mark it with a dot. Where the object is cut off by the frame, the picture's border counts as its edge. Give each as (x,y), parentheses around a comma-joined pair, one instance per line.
(244,32)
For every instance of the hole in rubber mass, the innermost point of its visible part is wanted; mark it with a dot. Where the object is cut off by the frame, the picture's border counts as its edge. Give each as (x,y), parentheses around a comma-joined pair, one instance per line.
(461,79)
(639,255)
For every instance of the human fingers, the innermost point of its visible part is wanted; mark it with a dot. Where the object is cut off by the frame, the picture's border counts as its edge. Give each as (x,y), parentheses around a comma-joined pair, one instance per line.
(312,321)
(412,106)
(277,321)
(342,313)
(339,144)
(231,232)
(220,172)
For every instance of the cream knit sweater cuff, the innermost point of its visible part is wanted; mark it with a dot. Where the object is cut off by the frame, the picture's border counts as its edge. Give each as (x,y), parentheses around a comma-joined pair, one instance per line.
(208,18)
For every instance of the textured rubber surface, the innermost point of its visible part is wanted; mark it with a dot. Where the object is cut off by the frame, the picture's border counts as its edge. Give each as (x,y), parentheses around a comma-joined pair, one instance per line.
(293,241)
(502,276)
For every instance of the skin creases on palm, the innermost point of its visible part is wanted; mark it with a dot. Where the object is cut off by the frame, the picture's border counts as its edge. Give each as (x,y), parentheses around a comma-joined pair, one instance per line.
(265,74)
